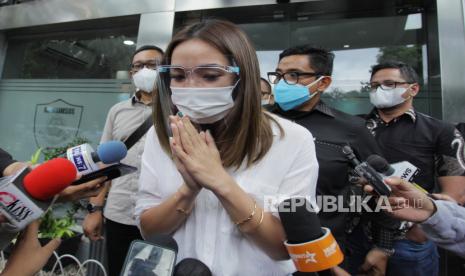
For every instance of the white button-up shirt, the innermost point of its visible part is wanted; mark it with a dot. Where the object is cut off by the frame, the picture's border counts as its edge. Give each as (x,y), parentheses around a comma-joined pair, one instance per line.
(289,168)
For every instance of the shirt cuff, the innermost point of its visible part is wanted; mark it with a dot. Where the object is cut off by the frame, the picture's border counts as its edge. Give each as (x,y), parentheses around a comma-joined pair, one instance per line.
(438,216)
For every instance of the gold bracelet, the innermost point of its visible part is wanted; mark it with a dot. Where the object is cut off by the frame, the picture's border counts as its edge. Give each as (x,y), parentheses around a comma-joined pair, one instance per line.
(260,221)
(238,223)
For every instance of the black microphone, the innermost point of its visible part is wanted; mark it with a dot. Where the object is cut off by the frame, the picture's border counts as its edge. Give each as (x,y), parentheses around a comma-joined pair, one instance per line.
(380,165)
(365,170)
(191,267)
(404,169)
(311,247)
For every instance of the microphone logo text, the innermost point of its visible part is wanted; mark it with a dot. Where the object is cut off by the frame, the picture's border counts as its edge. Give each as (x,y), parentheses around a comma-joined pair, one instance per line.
(308,256)
(407,172)
(79,159)
(14,207)
(330,250)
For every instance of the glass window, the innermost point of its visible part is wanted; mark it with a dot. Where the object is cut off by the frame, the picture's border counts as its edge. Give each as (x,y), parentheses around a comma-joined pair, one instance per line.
(59,82)
(85,54)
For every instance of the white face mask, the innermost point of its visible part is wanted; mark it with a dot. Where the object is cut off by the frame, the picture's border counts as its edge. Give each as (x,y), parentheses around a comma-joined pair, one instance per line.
(145,79)
(386,99)
(203,105)
(265,101)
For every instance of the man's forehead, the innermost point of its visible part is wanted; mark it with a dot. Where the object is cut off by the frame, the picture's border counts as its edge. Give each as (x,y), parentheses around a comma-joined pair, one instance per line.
(298,62)
(147,55)
(388,73)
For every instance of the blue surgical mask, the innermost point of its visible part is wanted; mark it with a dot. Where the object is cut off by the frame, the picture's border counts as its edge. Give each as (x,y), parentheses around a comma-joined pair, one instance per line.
(289,96)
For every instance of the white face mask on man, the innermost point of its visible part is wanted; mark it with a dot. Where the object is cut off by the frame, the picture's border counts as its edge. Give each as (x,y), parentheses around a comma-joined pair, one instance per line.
(203,105)
(145,79)
(385,99)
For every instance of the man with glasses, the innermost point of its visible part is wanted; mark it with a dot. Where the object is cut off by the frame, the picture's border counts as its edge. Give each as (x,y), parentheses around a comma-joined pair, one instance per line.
(302,75)
(123,119)
(434,146)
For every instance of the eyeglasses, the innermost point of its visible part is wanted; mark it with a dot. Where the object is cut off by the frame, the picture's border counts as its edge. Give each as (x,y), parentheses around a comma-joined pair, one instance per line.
(386,85)
(289,77)
(201,75)
(150,64)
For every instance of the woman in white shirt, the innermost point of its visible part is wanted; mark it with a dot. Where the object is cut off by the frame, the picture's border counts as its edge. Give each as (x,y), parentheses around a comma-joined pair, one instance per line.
(208,183)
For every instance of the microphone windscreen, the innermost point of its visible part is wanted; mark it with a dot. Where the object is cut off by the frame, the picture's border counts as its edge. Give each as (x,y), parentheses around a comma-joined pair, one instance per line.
(111,152)
(163,240)
(49,178)
(299,220)
(191,267)
(380,164)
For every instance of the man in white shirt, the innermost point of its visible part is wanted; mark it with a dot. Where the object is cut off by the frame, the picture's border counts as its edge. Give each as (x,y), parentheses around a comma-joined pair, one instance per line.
(122,120)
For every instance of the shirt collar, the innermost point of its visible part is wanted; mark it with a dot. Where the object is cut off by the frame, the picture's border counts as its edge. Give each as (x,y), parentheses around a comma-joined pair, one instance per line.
(409,113)
(323,108)
(413,115)
(135,99)
(296,114)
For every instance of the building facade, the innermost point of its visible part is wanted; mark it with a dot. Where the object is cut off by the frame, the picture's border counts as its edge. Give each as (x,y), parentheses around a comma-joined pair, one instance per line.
(64,63)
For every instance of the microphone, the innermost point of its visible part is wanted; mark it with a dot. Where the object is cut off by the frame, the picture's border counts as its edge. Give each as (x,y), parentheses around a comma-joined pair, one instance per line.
(405,170)
(25,196)
(366,171)
(311,247)
(186,267)
(154,256)
(191,267)
(380,165)
(163,240)
(85,159)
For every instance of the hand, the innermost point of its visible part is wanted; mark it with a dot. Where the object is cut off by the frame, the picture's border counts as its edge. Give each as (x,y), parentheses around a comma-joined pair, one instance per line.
(3,218)
(337,271)
(444,197)
(85,190)
(175,142)
(92,226)
(198,153)
(13,168)
(375,263)
(28,256)
(407,202)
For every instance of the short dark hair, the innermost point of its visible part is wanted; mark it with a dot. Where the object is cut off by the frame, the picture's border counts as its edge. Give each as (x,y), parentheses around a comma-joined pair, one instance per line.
(406,71)
(145,48)
(321,60)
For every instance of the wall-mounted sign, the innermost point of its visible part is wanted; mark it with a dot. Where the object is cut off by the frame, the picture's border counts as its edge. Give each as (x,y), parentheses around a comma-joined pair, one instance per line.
(56,123)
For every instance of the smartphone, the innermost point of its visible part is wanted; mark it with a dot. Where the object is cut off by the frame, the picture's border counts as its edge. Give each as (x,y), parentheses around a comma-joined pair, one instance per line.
(111,172)
(148,259)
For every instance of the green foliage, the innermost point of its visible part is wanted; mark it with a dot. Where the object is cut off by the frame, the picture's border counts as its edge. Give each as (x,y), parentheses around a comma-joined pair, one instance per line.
(411,55)
(51,226)
(52,152)
(35,157)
